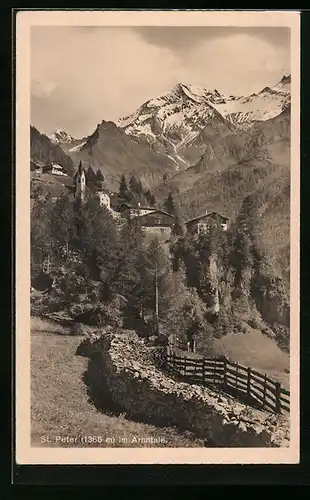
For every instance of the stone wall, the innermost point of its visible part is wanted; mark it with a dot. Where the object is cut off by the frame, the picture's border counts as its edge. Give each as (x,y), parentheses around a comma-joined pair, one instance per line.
(141,389)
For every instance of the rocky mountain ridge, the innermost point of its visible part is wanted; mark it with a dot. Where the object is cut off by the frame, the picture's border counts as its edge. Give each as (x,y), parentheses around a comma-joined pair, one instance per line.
(177,124)
(173,122)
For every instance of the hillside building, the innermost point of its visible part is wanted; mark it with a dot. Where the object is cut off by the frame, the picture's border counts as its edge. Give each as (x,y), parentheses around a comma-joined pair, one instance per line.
(54,169)
(104,199)
(157,222)
(129,211)
(203,223)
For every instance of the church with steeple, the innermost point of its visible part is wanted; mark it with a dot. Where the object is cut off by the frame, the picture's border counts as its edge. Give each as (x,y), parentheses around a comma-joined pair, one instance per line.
(80,188)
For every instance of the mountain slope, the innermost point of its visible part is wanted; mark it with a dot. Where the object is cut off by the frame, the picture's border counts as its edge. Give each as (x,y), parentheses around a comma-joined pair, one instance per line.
(231,167)
(43,151)
(115,153)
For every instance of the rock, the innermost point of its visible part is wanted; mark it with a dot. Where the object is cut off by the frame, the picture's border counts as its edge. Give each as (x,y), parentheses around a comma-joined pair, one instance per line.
(242,427)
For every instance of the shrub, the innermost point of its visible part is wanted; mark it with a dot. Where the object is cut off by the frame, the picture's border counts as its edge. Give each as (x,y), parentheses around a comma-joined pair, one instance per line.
(255,321)
(266,330)
(223,324)
(282,336)
(79,329)
(100,314)
(243,327)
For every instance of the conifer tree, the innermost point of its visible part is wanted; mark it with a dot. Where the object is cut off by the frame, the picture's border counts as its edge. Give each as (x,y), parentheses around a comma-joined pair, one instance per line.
(97,238)
(127,277)
(133,184)
(169,204)
(150,198)
(124,192)
(139,189)
(90,175)
(99,176)
(62,226)
(179,228)
(156,274)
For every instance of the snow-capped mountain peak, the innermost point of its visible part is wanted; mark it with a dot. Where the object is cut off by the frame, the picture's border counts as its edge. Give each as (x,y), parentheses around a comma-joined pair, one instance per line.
(173,120)
(62,136)
(283,86)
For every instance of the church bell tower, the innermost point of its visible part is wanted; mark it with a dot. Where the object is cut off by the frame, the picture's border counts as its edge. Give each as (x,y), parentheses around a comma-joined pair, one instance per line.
(80,183)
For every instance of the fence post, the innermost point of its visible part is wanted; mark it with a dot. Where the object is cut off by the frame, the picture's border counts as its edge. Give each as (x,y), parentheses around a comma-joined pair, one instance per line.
(278,397)
(165,360)
(225,371)
(265,387)
(237,370)
(185,366)
(214,373)
(249,382)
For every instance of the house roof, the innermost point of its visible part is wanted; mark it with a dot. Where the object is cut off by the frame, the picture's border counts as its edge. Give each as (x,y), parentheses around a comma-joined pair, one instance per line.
(205,216)
(53,165)
(103,191)
(157,210)
(137,207)
(152,210)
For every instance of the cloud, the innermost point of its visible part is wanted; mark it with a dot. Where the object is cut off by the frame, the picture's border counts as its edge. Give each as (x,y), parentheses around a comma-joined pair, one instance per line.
(181,39)
(81,76)
(43,88)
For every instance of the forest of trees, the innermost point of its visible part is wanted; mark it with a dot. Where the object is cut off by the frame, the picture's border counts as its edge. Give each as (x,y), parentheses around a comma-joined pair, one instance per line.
(103,273)
(133,192)
(106,273)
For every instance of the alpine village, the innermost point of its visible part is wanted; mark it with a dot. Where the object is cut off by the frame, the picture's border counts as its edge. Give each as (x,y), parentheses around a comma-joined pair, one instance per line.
(160,275)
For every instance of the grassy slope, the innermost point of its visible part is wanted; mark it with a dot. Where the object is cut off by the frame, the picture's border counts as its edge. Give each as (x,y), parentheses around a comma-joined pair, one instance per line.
(253,349)
(256,350)
(52,184)
(60,404)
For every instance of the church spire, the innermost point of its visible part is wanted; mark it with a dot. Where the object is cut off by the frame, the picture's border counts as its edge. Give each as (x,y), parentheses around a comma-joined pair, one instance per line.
(80,183)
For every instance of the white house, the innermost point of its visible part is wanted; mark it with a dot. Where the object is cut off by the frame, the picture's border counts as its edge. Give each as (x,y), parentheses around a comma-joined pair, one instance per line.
(55,169)
(104,199)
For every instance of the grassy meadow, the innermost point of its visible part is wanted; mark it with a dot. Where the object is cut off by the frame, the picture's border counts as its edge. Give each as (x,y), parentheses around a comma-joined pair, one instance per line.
(60,405)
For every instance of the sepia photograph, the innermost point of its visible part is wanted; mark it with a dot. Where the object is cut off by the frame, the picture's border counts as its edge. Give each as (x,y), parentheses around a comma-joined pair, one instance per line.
(157,306)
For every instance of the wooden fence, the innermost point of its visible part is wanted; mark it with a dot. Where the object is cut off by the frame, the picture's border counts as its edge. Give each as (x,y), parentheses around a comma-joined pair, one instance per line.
(250,385)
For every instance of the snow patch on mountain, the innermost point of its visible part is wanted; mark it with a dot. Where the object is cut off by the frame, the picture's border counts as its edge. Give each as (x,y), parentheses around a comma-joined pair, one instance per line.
(189,108)
(175,119)
(77,148)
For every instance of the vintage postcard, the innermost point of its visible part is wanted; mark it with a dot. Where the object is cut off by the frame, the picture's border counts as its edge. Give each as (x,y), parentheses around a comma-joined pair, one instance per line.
(157,237)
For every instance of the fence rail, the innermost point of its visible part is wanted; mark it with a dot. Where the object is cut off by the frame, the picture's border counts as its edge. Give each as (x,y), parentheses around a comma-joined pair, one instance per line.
(247,383)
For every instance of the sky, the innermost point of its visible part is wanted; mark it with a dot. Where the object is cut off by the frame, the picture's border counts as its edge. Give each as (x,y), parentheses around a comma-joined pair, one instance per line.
(83,75)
